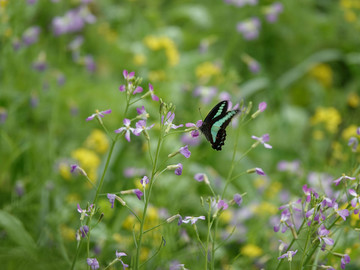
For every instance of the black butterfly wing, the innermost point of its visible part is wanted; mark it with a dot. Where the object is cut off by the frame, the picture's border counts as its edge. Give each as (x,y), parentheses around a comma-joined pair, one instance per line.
(219,110)
(218,129)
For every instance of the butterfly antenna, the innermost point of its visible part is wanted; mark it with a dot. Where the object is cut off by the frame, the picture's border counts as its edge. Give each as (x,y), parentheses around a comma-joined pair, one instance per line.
(201,114)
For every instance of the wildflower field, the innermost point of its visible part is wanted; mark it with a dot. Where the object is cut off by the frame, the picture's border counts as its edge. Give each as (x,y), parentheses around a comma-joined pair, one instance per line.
(209,134)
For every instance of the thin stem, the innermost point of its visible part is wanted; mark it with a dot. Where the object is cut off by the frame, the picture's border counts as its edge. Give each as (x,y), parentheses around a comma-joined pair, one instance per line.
(213,245)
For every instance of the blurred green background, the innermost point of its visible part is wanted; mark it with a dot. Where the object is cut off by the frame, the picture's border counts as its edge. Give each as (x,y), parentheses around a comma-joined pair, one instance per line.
(62,60)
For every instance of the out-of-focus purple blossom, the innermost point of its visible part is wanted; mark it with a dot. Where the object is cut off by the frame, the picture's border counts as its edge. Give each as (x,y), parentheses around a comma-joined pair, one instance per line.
(3,115)
(272,11)
(241,3)
(98,114)
(289,166)
(343,177)
(133,172)
(60,79)
(283,225)
(206,93)
(353,142)
(152,93)
(73,21)
(138,89)
(76,43)
(249,28)
(322,236)
(193,220)
(222,205)
(262,106)
(238,199)
(283,246)
(138,193)
(40,63)
(31,35)
(90,63)
(328,202)
(288,255)
(199,177)
(308,191)
(141,127)
(186,138)
(19,188)
(127,129)
(176,265)
(34,100)
(128,75)
(259,171)
(263,140)
(345,260)
(31,2)
(76,168)
(254,66)
(118,256)
(84,212)
(16,44)
(343,213)
(93,263)
(178,170)
(144,181)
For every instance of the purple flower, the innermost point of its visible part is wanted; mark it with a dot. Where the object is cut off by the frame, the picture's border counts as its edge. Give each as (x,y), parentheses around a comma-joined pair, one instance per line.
(98,114)
(308,192)
(289,166)
(60,79)
(353,142)
(356,198)
(263,139)
(31,35)
(152,93)
(259,171)
(76,43)
(90,63)
(144,181)
(3,115)
(40,63)
(127,129)
(93,263)
(283,246)
(118,256)
(249,28)
(345,260)
(138,89)
(262,106)
(272,11)
(178,170)
(138,193)
(254,66)
(84,212)
(185,151)
(206,93)
(193,220)
(222,205)
(142,113)
(285,216)
(194,128)
(168,121)
(111,198)
(128,76)
(343,177)
(141,126)
(238,199)
(343,213)
(75,168)
(322,233)
(288,255)
(199,177)
(84,230)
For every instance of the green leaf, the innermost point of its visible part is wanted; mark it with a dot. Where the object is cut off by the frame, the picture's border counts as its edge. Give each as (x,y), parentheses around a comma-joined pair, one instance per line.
(16,231)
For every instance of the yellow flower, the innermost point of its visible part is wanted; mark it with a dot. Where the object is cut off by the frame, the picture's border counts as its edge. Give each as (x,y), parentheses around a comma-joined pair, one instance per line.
(251,250)
(3,3)
(109,34)
(129,222)
(323,73)
(207,70)
(72,198)
(97,141)
(89,161)
(64,170)
(265,207)
(226,216)
(157,75)
(337,152)
(330,117)
(144,253)
(260,182)
(353,100)
(273,190)
(139,59)
(318,135)
(164,43)
(67,233)
(350,16)
(348,132)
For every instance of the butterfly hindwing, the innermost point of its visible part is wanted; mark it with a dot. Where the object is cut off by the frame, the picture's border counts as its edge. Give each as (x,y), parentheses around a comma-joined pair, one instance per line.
(215,124)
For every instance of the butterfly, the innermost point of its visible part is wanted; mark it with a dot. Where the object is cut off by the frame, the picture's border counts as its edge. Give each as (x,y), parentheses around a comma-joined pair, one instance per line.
(215,123)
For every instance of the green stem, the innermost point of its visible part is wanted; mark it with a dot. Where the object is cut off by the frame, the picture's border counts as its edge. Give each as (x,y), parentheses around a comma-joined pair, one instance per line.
(213,245)
(208,236)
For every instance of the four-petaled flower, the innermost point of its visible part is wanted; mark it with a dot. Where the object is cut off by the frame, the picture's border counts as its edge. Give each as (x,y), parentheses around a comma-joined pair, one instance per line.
(263,140)
(84,212)
(308,191)
(93,263)
(138,193)
(193,220)
(141,126)
(128,75)
(127,129)
(222,205)
(238,199)
(194,128)
(343,213)
(356,198)
(288,255)
(118,256)
(142,114)
(168,121)
(284,224)
(322,233)
(144,181)
(343,177)
(98,114)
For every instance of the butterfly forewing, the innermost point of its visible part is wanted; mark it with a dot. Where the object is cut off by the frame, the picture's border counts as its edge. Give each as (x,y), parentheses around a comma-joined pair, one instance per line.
(215,123)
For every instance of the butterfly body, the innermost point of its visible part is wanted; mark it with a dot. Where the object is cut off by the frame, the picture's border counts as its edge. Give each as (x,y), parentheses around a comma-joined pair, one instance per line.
(215,123)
